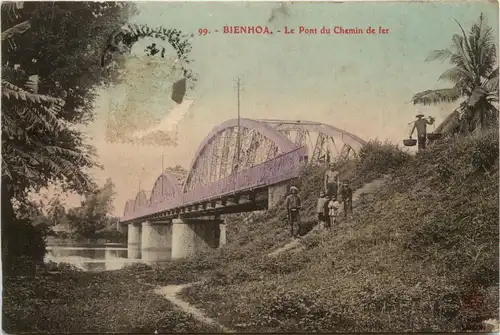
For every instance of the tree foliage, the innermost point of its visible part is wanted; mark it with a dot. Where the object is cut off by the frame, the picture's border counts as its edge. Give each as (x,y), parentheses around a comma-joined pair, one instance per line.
(92,215)
(50,71)
(49,74)
(474,76)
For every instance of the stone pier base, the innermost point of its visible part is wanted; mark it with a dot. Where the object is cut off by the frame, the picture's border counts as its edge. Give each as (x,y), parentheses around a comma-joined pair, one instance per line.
(222,236)
(134,252)
(134,235)
(276,193)
(156,242)
(191,236)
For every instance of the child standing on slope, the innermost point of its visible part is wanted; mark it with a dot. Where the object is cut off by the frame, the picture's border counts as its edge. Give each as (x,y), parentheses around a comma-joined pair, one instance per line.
(333,210)
(320,209)
(346,197)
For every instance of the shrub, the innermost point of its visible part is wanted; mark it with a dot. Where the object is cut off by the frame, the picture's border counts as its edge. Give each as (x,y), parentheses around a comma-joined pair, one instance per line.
(61,267)
(377,158)
(420,255)
(23,246)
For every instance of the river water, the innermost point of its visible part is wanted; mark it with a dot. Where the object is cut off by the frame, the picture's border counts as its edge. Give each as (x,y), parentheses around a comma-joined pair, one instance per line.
(92,256)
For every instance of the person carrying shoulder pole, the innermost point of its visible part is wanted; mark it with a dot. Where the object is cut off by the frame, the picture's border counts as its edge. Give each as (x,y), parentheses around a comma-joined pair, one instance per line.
(293,206)
(421,126)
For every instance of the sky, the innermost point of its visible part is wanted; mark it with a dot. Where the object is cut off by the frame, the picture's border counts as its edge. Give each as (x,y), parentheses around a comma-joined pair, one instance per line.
(360,83)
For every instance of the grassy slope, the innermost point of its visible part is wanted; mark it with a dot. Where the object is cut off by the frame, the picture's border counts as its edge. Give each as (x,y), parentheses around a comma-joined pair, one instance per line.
(421,255)
(77,302)
(410,259)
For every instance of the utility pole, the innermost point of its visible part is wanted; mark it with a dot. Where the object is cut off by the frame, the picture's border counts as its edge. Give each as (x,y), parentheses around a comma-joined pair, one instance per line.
(238,138)
(140,177)
(162,170)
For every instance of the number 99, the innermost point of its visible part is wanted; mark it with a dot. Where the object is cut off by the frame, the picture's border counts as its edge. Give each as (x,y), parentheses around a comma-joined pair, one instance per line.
(202,31)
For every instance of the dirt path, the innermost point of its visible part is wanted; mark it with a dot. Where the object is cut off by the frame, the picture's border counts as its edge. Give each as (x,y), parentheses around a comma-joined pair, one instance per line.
(367,188)
(170,293)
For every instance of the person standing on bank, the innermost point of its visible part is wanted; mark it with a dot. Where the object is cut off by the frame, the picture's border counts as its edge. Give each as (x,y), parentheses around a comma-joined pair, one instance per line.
(320,209)
(346,196)
(333,211)
(331,181)
(293,206)
(421,126)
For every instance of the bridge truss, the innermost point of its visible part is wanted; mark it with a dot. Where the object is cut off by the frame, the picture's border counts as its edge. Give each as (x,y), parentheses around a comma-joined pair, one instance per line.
(268,153)
(324,143)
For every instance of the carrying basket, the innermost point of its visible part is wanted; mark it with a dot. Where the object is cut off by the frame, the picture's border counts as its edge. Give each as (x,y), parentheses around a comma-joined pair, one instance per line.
(409,142)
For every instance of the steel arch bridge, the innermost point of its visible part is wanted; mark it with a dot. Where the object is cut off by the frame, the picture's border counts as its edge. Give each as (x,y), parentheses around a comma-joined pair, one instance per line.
(220,176)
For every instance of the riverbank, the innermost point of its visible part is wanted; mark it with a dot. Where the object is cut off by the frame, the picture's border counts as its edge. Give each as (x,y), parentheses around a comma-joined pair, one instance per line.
(73,301)
(418,254)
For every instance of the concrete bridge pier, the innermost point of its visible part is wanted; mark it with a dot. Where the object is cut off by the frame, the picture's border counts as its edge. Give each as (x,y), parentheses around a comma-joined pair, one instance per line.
(134,252)
(134,235)
(156,241)
(191,236)
(276,192)
(222,235)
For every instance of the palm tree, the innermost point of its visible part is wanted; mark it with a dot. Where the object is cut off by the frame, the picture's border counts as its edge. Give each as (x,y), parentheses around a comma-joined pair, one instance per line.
(474,77)
(29,119)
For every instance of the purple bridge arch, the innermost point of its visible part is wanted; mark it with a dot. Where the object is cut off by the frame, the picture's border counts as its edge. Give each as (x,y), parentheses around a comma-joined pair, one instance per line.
(221,177)
(235,169)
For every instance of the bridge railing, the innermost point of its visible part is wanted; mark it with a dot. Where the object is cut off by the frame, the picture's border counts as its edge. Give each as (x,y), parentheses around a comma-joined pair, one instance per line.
(278,169)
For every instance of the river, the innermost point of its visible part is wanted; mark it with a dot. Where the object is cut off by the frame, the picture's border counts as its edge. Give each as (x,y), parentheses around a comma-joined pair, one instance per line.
(92,256)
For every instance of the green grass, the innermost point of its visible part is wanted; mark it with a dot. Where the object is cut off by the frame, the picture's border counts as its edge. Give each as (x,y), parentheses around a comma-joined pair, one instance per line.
(420,255)
(75,302)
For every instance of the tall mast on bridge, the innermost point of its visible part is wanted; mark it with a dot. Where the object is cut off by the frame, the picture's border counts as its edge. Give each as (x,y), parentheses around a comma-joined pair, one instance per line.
(140,177)
(238,138)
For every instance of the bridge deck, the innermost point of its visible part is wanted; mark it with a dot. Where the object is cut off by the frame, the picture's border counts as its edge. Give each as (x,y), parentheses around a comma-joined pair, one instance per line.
(251,182)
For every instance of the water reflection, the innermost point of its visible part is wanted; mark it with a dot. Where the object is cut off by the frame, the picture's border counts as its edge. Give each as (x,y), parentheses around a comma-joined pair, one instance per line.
(134,253)
(92,257)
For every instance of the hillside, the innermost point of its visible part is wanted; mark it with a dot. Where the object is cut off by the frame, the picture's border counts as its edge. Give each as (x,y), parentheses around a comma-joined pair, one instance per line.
(419,255)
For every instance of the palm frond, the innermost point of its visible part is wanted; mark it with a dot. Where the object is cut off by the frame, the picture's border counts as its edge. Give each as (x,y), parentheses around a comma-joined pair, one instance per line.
(491,83)
(18,161)
(18,29)
(38,109)
(442,54)
(12,8)
(432,97)
(477,94)
(455,75)
(19,78)
(11,91)
(483,46)
(465,41)
(474,78)
(32,84)
(463,59)
(12,5)
(450,124)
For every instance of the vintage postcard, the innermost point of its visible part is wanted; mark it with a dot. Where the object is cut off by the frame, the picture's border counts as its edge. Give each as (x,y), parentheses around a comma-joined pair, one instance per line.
(324,166)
